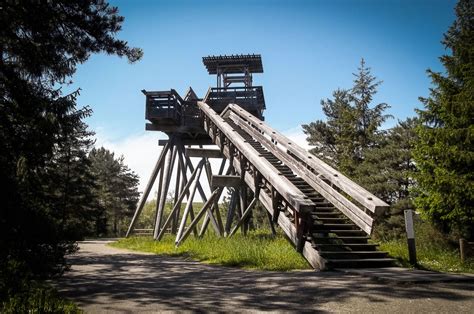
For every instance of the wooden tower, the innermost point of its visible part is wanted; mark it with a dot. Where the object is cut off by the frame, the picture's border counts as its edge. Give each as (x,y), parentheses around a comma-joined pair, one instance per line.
(180,118)
(325,215)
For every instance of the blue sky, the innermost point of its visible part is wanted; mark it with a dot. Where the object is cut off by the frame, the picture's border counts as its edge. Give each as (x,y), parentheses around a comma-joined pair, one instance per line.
(309,49)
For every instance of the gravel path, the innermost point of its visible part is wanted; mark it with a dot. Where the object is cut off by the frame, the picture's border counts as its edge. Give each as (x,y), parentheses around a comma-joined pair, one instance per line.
(105,279)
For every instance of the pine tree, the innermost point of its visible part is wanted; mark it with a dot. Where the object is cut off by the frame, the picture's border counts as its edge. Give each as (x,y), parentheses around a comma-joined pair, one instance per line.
(42,43)
(116,190)
(68,181)
(351,125)
(387,171)
(444,153)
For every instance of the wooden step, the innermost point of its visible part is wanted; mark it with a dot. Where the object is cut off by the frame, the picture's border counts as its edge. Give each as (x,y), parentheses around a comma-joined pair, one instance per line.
(334,226)
(352,246)
(352,254)
(342,232)
(333,214)
(360,263)
(326,220)
(345,239)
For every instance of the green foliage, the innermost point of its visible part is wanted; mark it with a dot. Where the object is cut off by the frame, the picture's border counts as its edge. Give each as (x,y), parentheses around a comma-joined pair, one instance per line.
(116,190)
(444,153)
(434,251)
(352,125)
(257,250)
(352,141)
(387,171)
(68,181)
(146,219)
(37,298)
(41,130)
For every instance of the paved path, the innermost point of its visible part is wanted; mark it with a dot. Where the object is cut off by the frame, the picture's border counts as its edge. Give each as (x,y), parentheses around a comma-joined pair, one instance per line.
(105,279)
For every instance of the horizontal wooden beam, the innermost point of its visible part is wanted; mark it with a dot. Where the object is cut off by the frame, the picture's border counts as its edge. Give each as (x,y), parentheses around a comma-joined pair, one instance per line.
(189,141)
(226,181)
(203,152)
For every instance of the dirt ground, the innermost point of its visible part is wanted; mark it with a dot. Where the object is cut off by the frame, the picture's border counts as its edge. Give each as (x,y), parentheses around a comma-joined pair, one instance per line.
(105,279)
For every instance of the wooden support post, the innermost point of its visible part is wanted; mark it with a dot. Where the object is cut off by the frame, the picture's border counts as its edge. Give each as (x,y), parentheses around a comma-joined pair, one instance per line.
(243,205)
(177,206)
(462,249)
(176,196)
(302,223)
(164,190)
(270,221)
(230,211)
(199,187)
(209,213)
(148,188)
(189,203)
(410,236)
(245,214)
(183,167)
(195,220)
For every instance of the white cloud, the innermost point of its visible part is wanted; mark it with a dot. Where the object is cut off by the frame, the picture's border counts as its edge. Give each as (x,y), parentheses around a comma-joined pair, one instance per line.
(296,135)
(140,151)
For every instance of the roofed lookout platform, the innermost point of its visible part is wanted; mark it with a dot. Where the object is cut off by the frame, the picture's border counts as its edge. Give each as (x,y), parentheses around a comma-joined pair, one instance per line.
(168,112)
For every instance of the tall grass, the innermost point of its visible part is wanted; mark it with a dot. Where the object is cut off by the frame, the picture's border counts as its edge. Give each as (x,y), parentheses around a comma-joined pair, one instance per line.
(257,250)
(434,251)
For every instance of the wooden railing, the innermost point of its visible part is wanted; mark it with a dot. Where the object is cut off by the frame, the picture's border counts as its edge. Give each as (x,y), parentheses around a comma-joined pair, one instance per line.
(235,148)
(163,105)
(250,98)
(354,201)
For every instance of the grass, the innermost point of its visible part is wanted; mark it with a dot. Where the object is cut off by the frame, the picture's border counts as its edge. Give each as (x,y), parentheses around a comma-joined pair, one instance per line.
(433,250)
(257,250)
(38,298)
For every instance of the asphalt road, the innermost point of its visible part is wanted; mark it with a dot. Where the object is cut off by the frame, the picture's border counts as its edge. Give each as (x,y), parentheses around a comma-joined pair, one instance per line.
(105,279)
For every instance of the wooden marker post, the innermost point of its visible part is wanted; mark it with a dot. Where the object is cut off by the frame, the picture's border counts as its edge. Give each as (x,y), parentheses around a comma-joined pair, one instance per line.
(410,236)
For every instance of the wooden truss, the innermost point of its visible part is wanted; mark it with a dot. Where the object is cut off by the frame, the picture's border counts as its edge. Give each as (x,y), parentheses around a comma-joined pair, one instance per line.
(175,161)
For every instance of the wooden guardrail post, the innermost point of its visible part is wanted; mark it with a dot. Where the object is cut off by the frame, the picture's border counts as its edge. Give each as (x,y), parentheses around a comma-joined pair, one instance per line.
(462,249)
(410,236)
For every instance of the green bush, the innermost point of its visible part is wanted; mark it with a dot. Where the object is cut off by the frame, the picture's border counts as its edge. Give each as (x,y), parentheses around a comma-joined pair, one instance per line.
(37,298)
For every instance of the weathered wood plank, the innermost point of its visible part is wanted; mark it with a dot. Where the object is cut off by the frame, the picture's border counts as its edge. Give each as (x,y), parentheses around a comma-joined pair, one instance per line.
(360,194)
(189,203)
(356,214)
(148,188)
(244,216)
(167,169)
(226,181)
(177,206)
(311,255)
(203,152)
(284,187)
(198,216)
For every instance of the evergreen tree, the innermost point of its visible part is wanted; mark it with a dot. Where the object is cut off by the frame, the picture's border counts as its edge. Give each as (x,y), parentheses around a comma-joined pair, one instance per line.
(116,190)
(42,43)
(387,171)
(351,125)
(444,153)
(68,181)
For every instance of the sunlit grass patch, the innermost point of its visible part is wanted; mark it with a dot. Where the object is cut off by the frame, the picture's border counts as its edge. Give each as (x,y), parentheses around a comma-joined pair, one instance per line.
(257,250)
(433,250)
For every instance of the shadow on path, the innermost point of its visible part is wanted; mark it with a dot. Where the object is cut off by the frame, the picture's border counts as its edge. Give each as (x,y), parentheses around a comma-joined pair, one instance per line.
(104,278)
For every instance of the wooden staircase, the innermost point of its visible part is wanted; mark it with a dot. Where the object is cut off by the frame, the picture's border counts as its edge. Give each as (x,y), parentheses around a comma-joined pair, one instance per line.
(339,241)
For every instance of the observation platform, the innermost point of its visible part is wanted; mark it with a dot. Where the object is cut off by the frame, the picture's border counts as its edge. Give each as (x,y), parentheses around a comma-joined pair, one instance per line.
(168,112)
